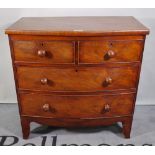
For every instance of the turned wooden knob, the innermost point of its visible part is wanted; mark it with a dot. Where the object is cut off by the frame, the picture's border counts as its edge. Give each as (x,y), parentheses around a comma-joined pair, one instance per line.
(46,107)
(107,108)
(41,53)
(108,80)
(44,81)
(110,54)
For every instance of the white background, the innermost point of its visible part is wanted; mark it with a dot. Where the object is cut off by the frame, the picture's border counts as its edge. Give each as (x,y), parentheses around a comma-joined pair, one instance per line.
(146,93)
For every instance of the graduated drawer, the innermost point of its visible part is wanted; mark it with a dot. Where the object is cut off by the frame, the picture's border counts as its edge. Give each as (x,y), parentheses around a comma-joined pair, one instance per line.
(76,106)
(48,52)
(110,51)
(81,79)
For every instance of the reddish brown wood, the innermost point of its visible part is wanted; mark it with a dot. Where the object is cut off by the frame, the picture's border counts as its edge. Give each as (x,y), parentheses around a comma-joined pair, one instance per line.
(77,106)
(16,37)
(116,92)
(77,79)
(109,51)
(127,124)
(78,26)
(47,52)
(25,123)
(72,78)
(74,122)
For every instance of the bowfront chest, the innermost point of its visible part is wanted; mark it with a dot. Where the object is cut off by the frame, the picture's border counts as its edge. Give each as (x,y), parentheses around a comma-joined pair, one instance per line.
(77,71)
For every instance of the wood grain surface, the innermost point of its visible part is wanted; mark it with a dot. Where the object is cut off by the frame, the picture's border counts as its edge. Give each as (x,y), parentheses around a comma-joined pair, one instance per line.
(77,106)
(78,26)
(76,79)
(77,71)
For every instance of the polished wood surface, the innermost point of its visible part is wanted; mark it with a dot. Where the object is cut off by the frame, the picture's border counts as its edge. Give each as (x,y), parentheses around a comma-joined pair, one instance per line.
(22,37)
(109,51)
(77,71)
(78,123)
(78,26)
(76,79)
(47,52)
(77,106)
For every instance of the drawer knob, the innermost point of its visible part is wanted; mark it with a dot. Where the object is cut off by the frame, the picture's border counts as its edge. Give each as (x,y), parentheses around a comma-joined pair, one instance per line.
(108,80)
(46,107)
(44,81)
(107,108)
(42,53)
(110,54)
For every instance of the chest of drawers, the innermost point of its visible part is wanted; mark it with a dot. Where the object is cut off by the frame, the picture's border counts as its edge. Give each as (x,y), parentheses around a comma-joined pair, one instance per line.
(77,71)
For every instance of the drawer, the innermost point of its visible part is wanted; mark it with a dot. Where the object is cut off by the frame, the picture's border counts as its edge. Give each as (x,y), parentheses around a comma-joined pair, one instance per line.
(48,52)
(81,79)
(76,106)
(110,51)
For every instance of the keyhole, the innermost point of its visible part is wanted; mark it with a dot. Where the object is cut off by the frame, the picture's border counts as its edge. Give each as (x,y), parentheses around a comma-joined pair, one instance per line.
(76,70)
(111,44)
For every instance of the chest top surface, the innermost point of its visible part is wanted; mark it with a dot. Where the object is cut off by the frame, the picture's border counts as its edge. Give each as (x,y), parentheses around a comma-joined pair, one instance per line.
(78,26)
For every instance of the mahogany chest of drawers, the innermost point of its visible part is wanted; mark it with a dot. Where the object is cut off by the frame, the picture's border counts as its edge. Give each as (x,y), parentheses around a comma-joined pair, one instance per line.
(77,71)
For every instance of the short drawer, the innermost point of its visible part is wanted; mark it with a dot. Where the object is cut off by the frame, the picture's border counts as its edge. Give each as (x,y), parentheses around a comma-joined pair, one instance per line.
(80,79)
(110,51)
(48,52)
(76,106)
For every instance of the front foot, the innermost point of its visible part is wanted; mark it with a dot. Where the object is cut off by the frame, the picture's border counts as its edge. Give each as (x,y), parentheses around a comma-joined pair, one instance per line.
(127,124)
(25,127)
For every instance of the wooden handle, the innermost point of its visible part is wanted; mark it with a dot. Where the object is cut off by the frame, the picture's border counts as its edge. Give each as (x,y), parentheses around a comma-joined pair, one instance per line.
(111,54)
(46,107)
(44,81)
(107,108)
(108,80)
(42,53)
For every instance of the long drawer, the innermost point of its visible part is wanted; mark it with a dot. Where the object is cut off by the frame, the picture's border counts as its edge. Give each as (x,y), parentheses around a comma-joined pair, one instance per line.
(76,106)
(81,79)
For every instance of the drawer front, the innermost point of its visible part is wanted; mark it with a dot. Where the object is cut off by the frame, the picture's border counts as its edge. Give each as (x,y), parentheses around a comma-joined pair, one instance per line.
(81,79)
(109,51)
(48,52)
(79,106)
